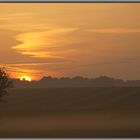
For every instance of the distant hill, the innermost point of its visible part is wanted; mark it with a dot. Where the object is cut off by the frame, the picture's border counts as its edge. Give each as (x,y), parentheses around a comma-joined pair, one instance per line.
(78,81)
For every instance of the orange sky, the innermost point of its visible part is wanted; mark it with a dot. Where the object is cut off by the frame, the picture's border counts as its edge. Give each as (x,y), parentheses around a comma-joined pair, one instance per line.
(72,39)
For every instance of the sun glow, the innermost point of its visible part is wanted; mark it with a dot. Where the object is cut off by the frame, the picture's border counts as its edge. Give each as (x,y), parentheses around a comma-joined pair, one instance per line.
(25,78)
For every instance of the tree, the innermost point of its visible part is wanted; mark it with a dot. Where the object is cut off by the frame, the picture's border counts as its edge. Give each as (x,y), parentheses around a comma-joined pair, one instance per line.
(5,83)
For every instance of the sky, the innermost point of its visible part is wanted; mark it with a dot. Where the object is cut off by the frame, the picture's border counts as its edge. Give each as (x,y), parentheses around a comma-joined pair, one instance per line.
(70,39)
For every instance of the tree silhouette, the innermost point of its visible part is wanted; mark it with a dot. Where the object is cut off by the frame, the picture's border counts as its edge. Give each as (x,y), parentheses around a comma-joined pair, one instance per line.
(5,82)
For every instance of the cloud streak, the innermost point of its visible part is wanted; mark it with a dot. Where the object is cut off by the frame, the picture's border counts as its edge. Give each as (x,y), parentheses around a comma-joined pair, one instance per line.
(35,44)
(114,30)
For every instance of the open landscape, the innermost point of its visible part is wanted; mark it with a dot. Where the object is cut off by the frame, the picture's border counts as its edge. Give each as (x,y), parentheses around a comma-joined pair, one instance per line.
(69,70)
(71,112)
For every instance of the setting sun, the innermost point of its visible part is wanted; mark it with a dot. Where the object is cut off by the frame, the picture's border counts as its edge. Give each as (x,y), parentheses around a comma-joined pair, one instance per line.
(25,78)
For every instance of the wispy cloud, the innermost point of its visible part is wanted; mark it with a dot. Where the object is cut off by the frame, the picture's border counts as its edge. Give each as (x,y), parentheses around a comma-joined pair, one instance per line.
(35,44)
(114,30)
(114,62)
(16,22)
(31,64)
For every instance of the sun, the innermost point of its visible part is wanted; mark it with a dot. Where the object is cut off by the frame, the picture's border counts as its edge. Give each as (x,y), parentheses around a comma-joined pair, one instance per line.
(25,78)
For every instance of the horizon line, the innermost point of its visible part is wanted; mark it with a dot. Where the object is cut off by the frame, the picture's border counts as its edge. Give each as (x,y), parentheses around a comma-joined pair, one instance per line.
(84,77)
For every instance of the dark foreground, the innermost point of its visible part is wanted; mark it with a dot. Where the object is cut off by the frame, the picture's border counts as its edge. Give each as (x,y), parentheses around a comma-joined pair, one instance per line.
(71,113)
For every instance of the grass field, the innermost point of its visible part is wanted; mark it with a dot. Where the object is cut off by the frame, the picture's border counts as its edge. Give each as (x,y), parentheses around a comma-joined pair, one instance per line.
(71,113)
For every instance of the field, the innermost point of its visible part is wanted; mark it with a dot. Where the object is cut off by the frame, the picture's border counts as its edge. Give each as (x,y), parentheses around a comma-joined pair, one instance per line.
(71,113)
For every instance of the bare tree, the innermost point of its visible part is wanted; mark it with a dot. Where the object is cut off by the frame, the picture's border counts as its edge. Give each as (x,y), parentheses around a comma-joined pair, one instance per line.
(5,82)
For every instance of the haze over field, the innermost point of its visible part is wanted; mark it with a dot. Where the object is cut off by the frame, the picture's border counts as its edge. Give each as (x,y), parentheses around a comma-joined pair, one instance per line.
(71,113)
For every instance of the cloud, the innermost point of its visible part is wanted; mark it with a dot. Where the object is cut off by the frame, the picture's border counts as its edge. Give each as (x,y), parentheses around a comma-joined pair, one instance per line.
(16,22)
(31,64)
(112,62)
(36,44)
(114,30)
(3,21)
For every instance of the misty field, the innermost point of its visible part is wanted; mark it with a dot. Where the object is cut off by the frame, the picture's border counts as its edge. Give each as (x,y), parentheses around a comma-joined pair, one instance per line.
(71,112)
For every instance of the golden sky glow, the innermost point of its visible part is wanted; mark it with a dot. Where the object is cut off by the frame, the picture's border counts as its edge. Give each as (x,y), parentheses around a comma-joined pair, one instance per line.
(60,39)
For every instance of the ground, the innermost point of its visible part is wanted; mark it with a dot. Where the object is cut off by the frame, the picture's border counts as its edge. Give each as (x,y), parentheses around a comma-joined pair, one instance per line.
(71,113)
